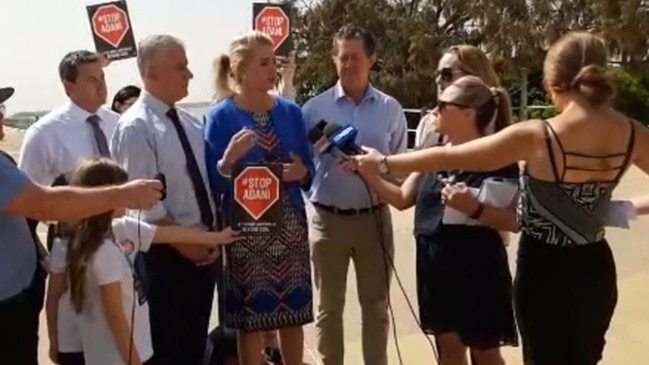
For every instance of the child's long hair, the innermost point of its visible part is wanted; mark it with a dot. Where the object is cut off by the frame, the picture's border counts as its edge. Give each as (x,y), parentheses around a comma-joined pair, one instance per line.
(87,235)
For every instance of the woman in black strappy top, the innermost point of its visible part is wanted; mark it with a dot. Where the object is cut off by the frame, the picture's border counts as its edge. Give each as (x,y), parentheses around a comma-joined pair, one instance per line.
(565,286)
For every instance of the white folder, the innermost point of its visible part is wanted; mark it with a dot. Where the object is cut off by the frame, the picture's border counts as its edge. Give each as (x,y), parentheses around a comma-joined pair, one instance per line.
(495,192)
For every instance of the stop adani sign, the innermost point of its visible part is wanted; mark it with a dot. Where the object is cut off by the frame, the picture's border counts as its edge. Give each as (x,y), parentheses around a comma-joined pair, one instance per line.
(111,30)
(257,198)
(274,20)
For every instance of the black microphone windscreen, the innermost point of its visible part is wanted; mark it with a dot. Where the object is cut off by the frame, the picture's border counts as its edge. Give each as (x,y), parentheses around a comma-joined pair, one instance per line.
(317,131)
(331,129)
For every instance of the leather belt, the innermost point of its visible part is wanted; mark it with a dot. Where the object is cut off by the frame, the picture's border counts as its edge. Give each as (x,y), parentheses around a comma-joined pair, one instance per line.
(347,211)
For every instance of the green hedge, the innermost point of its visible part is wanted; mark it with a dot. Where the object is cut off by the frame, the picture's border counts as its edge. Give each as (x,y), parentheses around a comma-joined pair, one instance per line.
(632,95)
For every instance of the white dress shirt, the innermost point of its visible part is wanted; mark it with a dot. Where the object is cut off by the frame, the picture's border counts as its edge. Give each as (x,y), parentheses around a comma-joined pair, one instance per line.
(56,143)
(146,143)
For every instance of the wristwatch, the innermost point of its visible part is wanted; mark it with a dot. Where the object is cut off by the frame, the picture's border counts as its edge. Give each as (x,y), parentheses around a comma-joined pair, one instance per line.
(383,165)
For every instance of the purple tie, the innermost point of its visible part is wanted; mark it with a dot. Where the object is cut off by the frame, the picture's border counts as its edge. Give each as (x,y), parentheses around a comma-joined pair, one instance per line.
(100,137)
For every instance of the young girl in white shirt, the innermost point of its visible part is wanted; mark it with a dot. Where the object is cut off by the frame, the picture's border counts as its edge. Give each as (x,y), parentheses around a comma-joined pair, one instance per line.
(106,276)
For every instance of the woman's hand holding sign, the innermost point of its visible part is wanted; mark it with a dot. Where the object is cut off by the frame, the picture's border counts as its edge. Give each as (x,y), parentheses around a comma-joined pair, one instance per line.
(295,170)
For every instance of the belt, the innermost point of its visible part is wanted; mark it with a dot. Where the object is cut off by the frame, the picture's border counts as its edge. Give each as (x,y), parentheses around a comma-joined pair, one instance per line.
(347,211)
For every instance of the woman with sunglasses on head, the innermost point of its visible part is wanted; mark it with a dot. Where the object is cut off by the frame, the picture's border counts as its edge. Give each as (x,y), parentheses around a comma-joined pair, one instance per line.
(565,288)
(457,61)
(463,279)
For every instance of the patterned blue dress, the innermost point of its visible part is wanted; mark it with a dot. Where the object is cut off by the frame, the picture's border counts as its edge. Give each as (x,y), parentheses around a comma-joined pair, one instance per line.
(268,278)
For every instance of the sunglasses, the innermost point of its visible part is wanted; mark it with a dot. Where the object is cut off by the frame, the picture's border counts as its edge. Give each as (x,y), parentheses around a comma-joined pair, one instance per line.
(441,106)
(447,74)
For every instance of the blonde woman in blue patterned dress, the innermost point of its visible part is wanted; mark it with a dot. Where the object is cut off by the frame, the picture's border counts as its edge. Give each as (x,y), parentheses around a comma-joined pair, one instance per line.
(267,278)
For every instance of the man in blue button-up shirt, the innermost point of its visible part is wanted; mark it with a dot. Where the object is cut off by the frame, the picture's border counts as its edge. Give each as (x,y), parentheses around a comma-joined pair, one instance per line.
(346,217)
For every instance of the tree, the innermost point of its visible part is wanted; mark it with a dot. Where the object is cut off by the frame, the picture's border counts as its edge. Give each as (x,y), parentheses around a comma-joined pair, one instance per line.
(412,34)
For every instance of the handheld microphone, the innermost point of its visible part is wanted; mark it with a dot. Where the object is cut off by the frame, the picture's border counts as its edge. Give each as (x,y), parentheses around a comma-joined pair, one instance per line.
(335,139)
(322,143)
(343,138)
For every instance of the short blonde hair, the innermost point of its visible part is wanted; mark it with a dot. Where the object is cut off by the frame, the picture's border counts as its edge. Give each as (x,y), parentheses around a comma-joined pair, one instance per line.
(228,67)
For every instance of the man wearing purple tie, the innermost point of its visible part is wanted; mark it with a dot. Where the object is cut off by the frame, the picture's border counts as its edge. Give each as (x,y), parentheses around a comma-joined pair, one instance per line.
(156,137)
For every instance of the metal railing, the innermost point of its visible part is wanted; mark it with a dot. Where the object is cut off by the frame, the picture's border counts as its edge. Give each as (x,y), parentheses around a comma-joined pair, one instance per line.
(423,112)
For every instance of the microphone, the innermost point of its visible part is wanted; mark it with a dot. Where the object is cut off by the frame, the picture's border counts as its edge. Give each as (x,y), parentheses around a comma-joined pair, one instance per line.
(335,139)
(343,138)
(317,138)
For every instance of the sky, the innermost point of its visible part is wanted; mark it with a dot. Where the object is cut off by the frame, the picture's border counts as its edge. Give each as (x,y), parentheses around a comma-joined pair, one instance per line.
(36,34)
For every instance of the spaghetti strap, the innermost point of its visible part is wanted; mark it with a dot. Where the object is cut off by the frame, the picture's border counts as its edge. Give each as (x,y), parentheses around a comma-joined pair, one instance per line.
(546,134)
(629,151)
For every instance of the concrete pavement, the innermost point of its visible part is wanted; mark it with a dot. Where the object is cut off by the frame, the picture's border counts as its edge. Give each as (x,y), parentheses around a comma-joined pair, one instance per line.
(626,341)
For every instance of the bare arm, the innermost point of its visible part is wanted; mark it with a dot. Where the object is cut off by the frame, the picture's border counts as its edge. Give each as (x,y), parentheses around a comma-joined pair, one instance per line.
(508,146)
(111,297)
(641,204)
(55,288)
(640,158)
(183,235)
(286,89)
(401,197)
(64,203)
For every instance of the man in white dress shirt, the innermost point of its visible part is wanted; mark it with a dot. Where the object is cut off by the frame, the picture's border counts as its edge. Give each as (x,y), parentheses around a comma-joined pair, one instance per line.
(55,144)
(80,129)
(156,137)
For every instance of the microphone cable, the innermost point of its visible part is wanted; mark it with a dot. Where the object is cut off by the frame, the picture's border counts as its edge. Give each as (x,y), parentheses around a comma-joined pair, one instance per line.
(388,263)
(139,244)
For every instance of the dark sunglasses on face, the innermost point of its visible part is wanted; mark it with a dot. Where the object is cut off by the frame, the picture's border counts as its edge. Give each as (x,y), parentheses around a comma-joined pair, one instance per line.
(442,105)
(447,74)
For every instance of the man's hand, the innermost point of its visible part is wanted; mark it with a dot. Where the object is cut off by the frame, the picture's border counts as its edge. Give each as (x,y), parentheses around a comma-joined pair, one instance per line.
(294,171)
(287,70)
(140,194)
(104,60)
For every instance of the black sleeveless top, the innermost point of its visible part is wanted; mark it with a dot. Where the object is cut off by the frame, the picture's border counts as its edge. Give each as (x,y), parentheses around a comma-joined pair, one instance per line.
(564,213)
(429,209)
